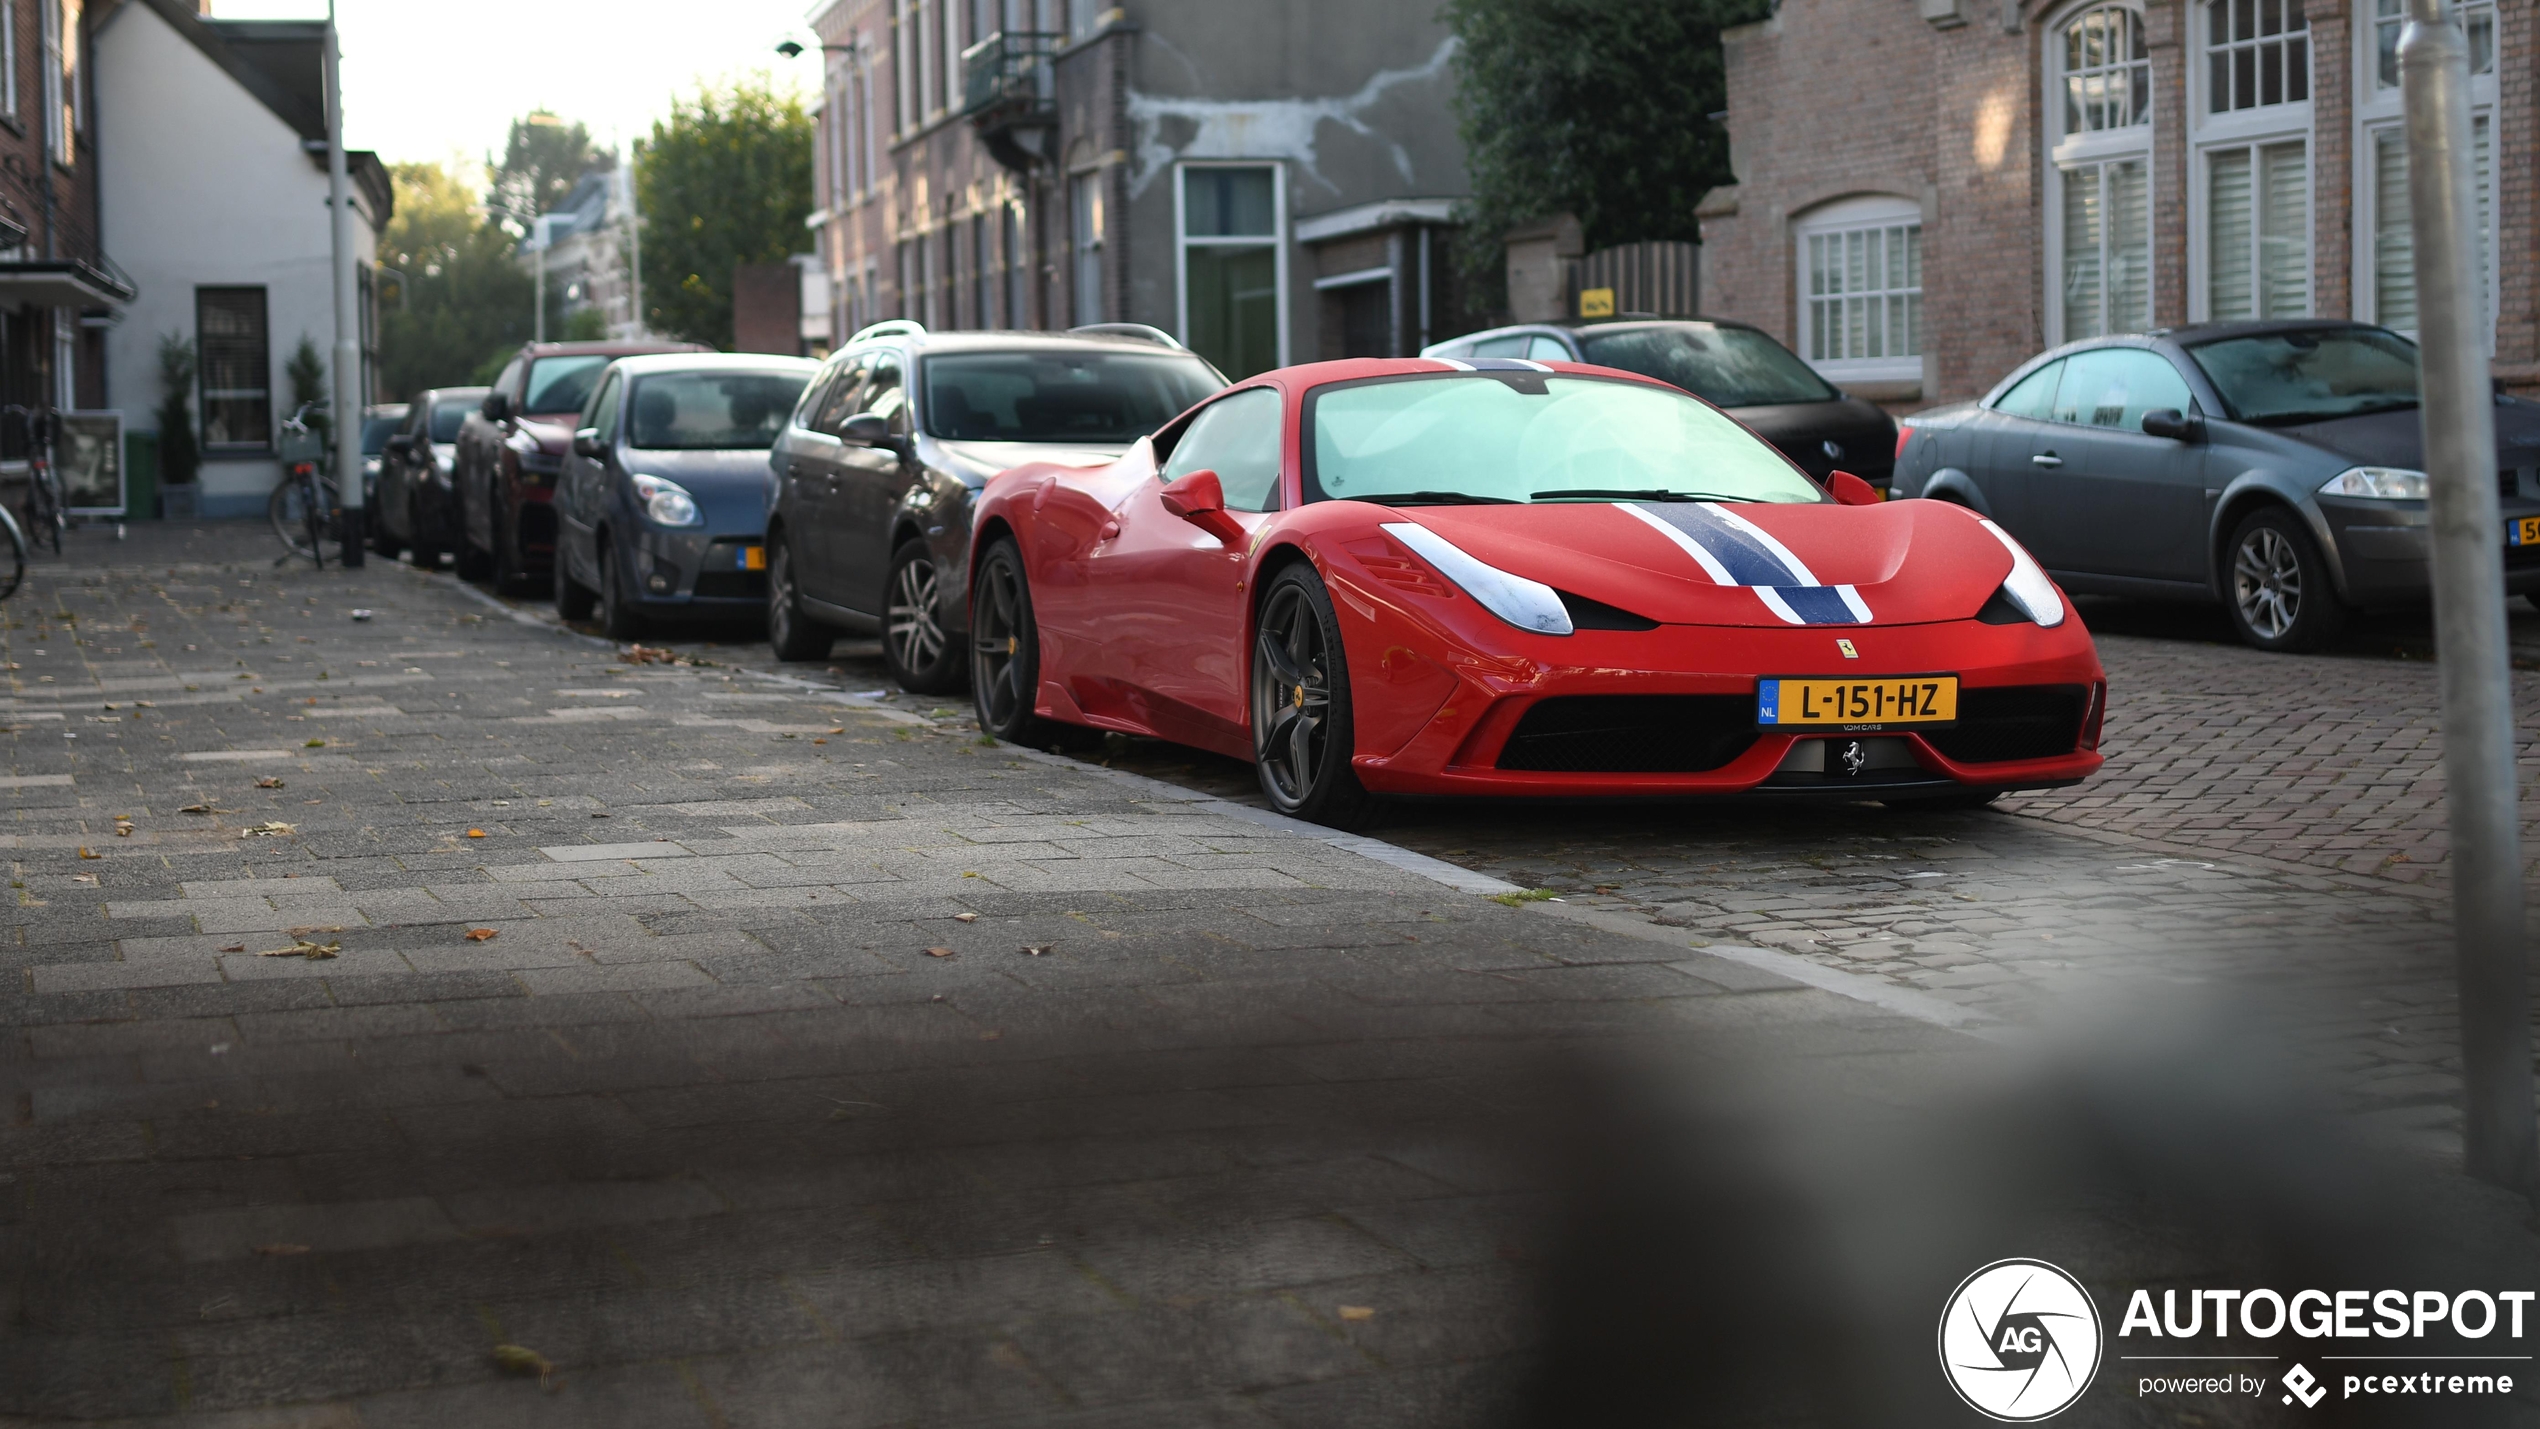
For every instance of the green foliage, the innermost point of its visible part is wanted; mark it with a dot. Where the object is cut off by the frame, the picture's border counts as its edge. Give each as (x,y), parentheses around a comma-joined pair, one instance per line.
(1594,107)
(726,180)
(180,457)
(542,161)
(585,325)
(306,372)
(464,303)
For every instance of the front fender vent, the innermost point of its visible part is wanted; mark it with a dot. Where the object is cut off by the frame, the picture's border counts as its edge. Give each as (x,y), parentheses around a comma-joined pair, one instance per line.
(1586,614)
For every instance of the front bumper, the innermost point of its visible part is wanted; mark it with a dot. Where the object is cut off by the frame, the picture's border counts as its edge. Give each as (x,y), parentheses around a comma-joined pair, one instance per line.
(717,571)
(2382,549)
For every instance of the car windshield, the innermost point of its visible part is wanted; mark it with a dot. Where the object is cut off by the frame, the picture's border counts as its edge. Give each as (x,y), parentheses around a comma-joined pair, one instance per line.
(562,384)
(377,430)
(1058,396)
(2274,378)
(713,411)
(448,417)
(1729,366)
(1491,437)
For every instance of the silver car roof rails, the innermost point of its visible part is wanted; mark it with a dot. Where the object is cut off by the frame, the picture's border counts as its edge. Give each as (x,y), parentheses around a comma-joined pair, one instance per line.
(892,327)
(1137,332)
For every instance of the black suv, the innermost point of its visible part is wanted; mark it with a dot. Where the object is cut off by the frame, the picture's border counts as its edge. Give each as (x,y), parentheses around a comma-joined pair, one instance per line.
(873,479)
(1730,365)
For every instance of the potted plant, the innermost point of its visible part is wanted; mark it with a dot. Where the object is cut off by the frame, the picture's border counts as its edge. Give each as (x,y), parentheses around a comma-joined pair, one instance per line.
(180,458)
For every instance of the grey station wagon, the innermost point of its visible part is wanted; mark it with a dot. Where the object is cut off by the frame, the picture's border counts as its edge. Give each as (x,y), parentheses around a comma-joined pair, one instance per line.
(2276,467)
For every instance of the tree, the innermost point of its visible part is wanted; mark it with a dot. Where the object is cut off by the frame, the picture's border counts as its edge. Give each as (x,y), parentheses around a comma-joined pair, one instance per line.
(542,161)
(463,303)
(725,180)
(1599,108)
(306,372)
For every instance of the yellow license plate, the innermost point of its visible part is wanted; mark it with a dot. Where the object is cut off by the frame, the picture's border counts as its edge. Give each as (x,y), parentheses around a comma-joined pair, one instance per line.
(754,558)
(1856,704)
(2523,531)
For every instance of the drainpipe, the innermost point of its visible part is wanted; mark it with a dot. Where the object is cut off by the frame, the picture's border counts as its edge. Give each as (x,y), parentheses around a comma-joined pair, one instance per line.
(348,345)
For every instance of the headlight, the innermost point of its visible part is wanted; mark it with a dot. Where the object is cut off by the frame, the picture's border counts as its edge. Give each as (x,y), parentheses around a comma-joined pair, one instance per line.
(2027,586)
(668,503)
(2377,483)
(1528,605)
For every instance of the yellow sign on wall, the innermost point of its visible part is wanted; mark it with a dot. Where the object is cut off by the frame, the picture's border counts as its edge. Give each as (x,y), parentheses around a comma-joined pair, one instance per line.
(1596,302)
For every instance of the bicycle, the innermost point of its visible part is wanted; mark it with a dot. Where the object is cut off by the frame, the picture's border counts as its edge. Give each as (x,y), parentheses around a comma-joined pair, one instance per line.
(303,506)
(13,557)
(45,515)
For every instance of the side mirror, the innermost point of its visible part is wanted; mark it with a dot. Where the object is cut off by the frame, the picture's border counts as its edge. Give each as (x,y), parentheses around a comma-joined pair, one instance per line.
(1853,491)
(866,429)
(497,406)
(587,443)
(2173,424)
(1199,499)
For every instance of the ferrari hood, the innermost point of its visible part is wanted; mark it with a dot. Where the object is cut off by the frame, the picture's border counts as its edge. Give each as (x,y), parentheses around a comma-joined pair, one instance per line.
(1707,563)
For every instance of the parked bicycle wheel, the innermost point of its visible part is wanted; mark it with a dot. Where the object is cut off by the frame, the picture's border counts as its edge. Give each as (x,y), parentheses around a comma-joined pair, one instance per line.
(12,555)
(44,520)
(302,510)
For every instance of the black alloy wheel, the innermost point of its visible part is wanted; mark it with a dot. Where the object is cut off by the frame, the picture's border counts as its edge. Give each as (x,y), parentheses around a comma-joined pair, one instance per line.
(2276,585)
(574,600)
(619,619)
(510,575)
(1005,649)
(917,647)
(1302,733)
(792,634)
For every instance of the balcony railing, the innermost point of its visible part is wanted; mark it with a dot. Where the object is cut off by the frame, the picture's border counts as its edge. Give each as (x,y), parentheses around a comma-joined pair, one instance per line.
(1006,77)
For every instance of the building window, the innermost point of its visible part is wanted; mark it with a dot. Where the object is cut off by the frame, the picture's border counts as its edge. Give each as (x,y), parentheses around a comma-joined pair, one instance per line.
(2385,259)
(2258,231)
(982,280)
(950,10)
(930,282)
(1229,222)
(9,58)
(904,65)
(2477,17)
(2107,71)
(61,77)
(2099,230)
(1861,283)
(906,263)
(1018,267)
(1082,16)
(2107,248)
(236,367)
(1085,243)
(2257,53)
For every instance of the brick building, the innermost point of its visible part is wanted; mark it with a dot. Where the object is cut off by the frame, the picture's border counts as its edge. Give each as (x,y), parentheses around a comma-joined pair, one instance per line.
(1930,190)
(58,290)
(1266,182)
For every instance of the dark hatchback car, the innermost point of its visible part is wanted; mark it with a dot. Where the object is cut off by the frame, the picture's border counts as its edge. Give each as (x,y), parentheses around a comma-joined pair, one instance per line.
(412,508)
(1732,366)
(2275,467)
(512,449)
(662,508)
(875,476)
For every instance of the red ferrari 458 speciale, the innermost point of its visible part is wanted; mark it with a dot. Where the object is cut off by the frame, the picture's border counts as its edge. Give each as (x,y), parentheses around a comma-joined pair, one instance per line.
(1427,576)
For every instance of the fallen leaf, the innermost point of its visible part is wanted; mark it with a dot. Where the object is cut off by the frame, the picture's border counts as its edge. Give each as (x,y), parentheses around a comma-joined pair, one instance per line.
(303,948)
(87,852)
(314,744)
(196,809)
(991,1036)
(312,930)
(87,878)
(476,833)
(123,831)
(1358,1312)
(965,917)
(840,729)
(281,1248)
(820,741)
(233,947)
(939,952)
(483,935)
(1035,950)
(520,1360)
(269,829)
(268,782)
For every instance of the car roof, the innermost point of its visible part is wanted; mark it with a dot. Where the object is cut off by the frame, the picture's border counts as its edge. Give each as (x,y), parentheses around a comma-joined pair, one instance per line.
(453,394)
(607,348)
(1002,340)
(1601,326)
(653,362)
(2194,333)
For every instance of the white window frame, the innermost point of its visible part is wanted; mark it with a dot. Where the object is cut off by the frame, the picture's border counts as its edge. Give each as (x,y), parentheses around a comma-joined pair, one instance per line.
(1840,217)
(1085,239)
(2067,150)
(9,60)
(1277,239)
(2376,108)
(56,143)
(2241,129)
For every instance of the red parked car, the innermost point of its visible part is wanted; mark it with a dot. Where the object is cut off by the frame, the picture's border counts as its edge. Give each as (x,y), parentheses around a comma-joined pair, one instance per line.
(1424,576)
(511,450)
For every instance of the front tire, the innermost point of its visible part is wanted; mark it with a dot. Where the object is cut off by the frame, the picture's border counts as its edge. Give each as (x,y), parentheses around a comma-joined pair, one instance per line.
(574,600)
(2277,588)
(917,646)
(790,633)
(510,575)
(619,620)
(1005,649)
(1302,730)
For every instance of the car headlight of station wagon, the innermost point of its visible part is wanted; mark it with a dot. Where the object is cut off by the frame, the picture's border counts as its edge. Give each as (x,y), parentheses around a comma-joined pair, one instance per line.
(2027,586)
(2377,483)
(667,502)
(1528,605)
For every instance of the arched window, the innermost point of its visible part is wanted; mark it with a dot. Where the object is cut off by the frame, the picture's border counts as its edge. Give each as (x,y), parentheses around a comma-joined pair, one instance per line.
(2100,215)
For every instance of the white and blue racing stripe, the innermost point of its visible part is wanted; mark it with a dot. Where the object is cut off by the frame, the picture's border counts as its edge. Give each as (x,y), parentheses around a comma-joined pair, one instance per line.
(1735,551)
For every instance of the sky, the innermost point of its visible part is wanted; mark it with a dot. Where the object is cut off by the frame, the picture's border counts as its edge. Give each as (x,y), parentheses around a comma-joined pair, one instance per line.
(432,82)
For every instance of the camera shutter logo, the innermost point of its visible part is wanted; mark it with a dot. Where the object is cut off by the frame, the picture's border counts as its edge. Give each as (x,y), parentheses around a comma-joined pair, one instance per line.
(2019,1340)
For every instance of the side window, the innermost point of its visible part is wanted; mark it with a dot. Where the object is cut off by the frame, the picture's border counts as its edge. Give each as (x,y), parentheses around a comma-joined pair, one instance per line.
(884,396)
(2034,395)
(509,383)
(1502,347)
(2115,386)
(604,407)
(1548,349)
(1238,438)
(841,400)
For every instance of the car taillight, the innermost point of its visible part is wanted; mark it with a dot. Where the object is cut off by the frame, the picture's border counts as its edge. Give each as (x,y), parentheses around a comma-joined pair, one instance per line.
(2098,714)
(1904,434)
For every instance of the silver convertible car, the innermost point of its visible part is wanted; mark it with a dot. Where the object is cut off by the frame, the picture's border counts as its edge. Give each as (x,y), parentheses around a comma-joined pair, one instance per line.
(2277,467)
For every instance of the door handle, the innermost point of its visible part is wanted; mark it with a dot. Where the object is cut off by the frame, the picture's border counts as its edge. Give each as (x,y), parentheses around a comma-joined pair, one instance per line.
(2046,459)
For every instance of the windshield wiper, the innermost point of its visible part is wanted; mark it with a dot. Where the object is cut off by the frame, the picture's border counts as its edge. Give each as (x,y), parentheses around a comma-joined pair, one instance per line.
(1608,493)
(2288,419)
(1435,498)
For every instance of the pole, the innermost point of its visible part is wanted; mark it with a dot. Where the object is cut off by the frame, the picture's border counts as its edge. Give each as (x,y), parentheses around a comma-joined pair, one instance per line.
(348,344)
(538,323)
(2501,1139)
